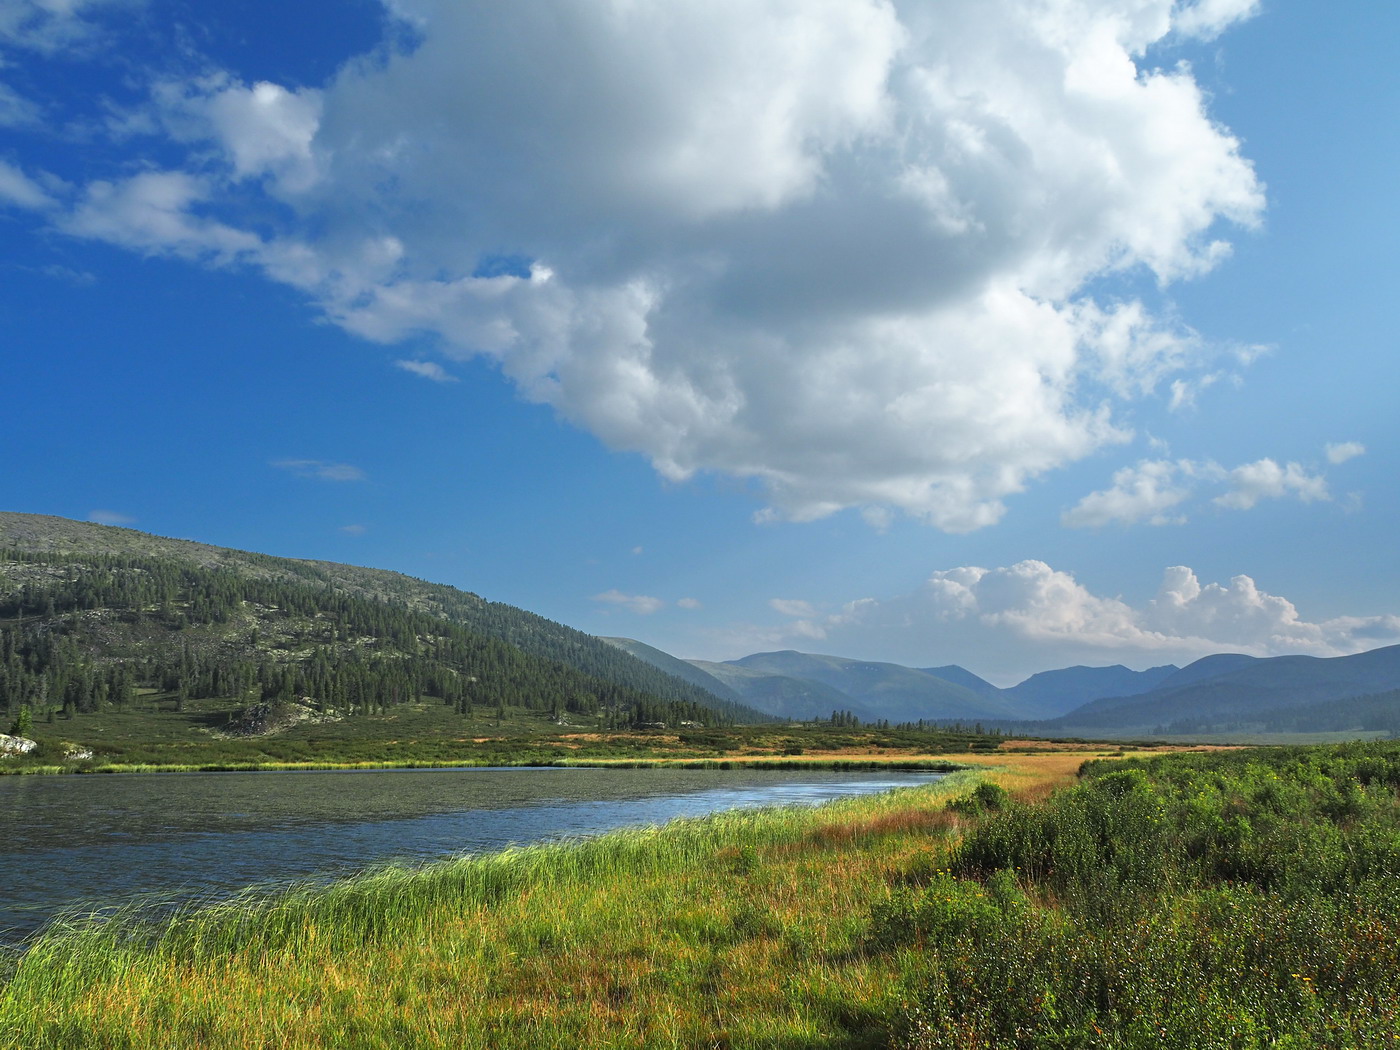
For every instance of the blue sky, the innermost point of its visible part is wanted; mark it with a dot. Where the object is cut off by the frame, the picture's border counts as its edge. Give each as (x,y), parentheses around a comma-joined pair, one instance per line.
(997,334)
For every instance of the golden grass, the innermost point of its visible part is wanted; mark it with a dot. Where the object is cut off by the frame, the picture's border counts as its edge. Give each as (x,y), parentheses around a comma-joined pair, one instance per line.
(743,930)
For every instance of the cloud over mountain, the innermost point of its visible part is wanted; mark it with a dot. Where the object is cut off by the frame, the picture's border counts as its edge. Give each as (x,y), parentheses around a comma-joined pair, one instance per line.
(1029,616)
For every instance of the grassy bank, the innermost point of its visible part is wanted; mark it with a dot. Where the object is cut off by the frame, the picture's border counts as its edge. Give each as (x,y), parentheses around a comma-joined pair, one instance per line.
(741,929)
(1216,901)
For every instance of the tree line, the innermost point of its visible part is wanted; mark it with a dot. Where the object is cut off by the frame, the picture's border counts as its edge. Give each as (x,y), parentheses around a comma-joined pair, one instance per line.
(91,631)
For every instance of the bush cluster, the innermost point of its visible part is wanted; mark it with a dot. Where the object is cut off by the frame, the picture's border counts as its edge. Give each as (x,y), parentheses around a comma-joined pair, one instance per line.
(1249,899)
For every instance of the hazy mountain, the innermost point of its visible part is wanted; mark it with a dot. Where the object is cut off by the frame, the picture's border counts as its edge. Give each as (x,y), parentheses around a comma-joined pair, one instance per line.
(1373,712)
(1206,667)
(88,611)
(963,677)
(888,691)
(784,696)
(686,670)
(1053,693)
(1245,692)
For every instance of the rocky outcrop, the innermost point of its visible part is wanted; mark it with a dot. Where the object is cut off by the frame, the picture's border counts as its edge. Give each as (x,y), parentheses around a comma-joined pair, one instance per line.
(16,745)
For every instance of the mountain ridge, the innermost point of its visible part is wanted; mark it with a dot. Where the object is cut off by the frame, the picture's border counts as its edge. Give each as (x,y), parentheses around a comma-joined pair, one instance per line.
(1223,691)
(1245,689)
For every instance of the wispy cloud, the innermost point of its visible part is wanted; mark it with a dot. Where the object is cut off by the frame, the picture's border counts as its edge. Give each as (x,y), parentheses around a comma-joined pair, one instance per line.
(1155,490)
(110,517)
(316,468)
(354,530)
(428,370)
(792,607)
(641,604)
(1340,452)
(18,189)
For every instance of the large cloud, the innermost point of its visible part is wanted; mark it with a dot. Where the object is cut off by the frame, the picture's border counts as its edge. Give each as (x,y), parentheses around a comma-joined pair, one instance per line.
(842,247)
(1011,621)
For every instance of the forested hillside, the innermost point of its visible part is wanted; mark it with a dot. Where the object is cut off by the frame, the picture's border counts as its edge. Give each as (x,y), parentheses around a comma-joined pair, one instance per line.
(94,616)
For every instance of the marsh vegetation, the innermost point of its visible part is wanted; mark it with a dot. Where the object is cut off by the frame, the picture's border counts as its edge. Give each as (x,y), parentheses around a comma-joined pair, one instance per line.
(1224,900)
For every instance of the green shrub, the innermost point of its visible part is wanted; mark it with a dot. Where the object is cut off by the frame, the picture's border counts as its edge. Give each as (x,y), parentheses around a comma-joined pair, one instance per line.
(1187,902)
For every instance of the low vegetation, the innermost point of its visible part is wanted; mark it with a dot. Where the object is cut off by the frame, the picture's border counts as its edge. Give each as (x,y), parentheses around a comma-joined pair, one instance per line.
(152,734)
(1243,899)
(1238,899)
(742,929)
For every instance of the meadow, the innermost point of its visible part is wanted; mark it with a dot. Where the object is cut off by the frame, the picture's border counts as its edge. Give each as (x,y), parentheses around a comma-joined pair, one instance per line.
(155,735)
(1233,899)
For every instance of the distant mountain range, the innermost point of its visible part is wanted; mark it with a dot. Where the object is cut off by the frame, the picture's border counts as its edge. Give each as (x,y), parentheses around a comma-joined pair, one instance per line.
(1222,693)
(790,684)
(1234,693)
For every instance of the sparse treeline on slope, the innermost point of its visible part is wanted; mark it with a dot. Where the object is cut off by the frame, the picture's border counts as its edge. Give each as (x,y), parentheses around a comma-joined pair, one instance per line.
(60,540)
(1202,901)
(78,631)
(555,641)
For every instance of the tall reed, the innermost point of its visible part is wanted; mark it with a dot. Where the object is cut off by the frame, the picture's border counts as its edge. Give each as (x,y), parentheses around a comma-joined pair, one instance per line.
(742,922)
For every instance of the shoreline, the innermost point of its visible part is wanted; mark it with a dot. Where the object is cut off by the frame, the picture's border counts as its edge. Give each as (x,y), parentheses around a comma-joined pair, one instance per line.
(930,765)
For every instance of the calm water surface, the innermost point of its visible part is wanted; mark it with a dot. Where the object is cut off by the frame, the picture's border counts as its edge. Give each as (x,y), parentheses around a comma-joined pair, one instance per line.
(105,839)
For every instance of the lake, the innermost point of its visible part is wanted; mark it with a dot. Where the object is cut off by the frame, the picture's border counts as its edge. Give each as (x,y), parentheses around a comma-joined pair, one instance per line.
(102,840)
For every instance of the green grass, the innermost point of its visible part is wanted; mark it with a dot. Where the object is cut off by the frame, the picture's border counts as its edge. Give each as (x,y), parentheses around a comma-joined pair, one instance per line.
(151,734)
(1210,901)
(743,929)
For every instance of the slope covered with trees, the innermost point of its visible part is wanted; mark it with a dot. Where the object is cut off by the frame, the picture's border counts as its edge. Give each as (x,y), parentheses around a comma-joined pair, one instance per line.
(93,616)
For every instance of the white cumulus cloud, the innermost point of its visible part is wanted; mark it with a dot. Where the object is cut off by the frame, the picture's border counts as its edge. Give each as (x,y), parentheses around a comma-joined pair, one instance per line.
(1265,479)
(1145,492)
(1154,490)
(264,129)
(840,247)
